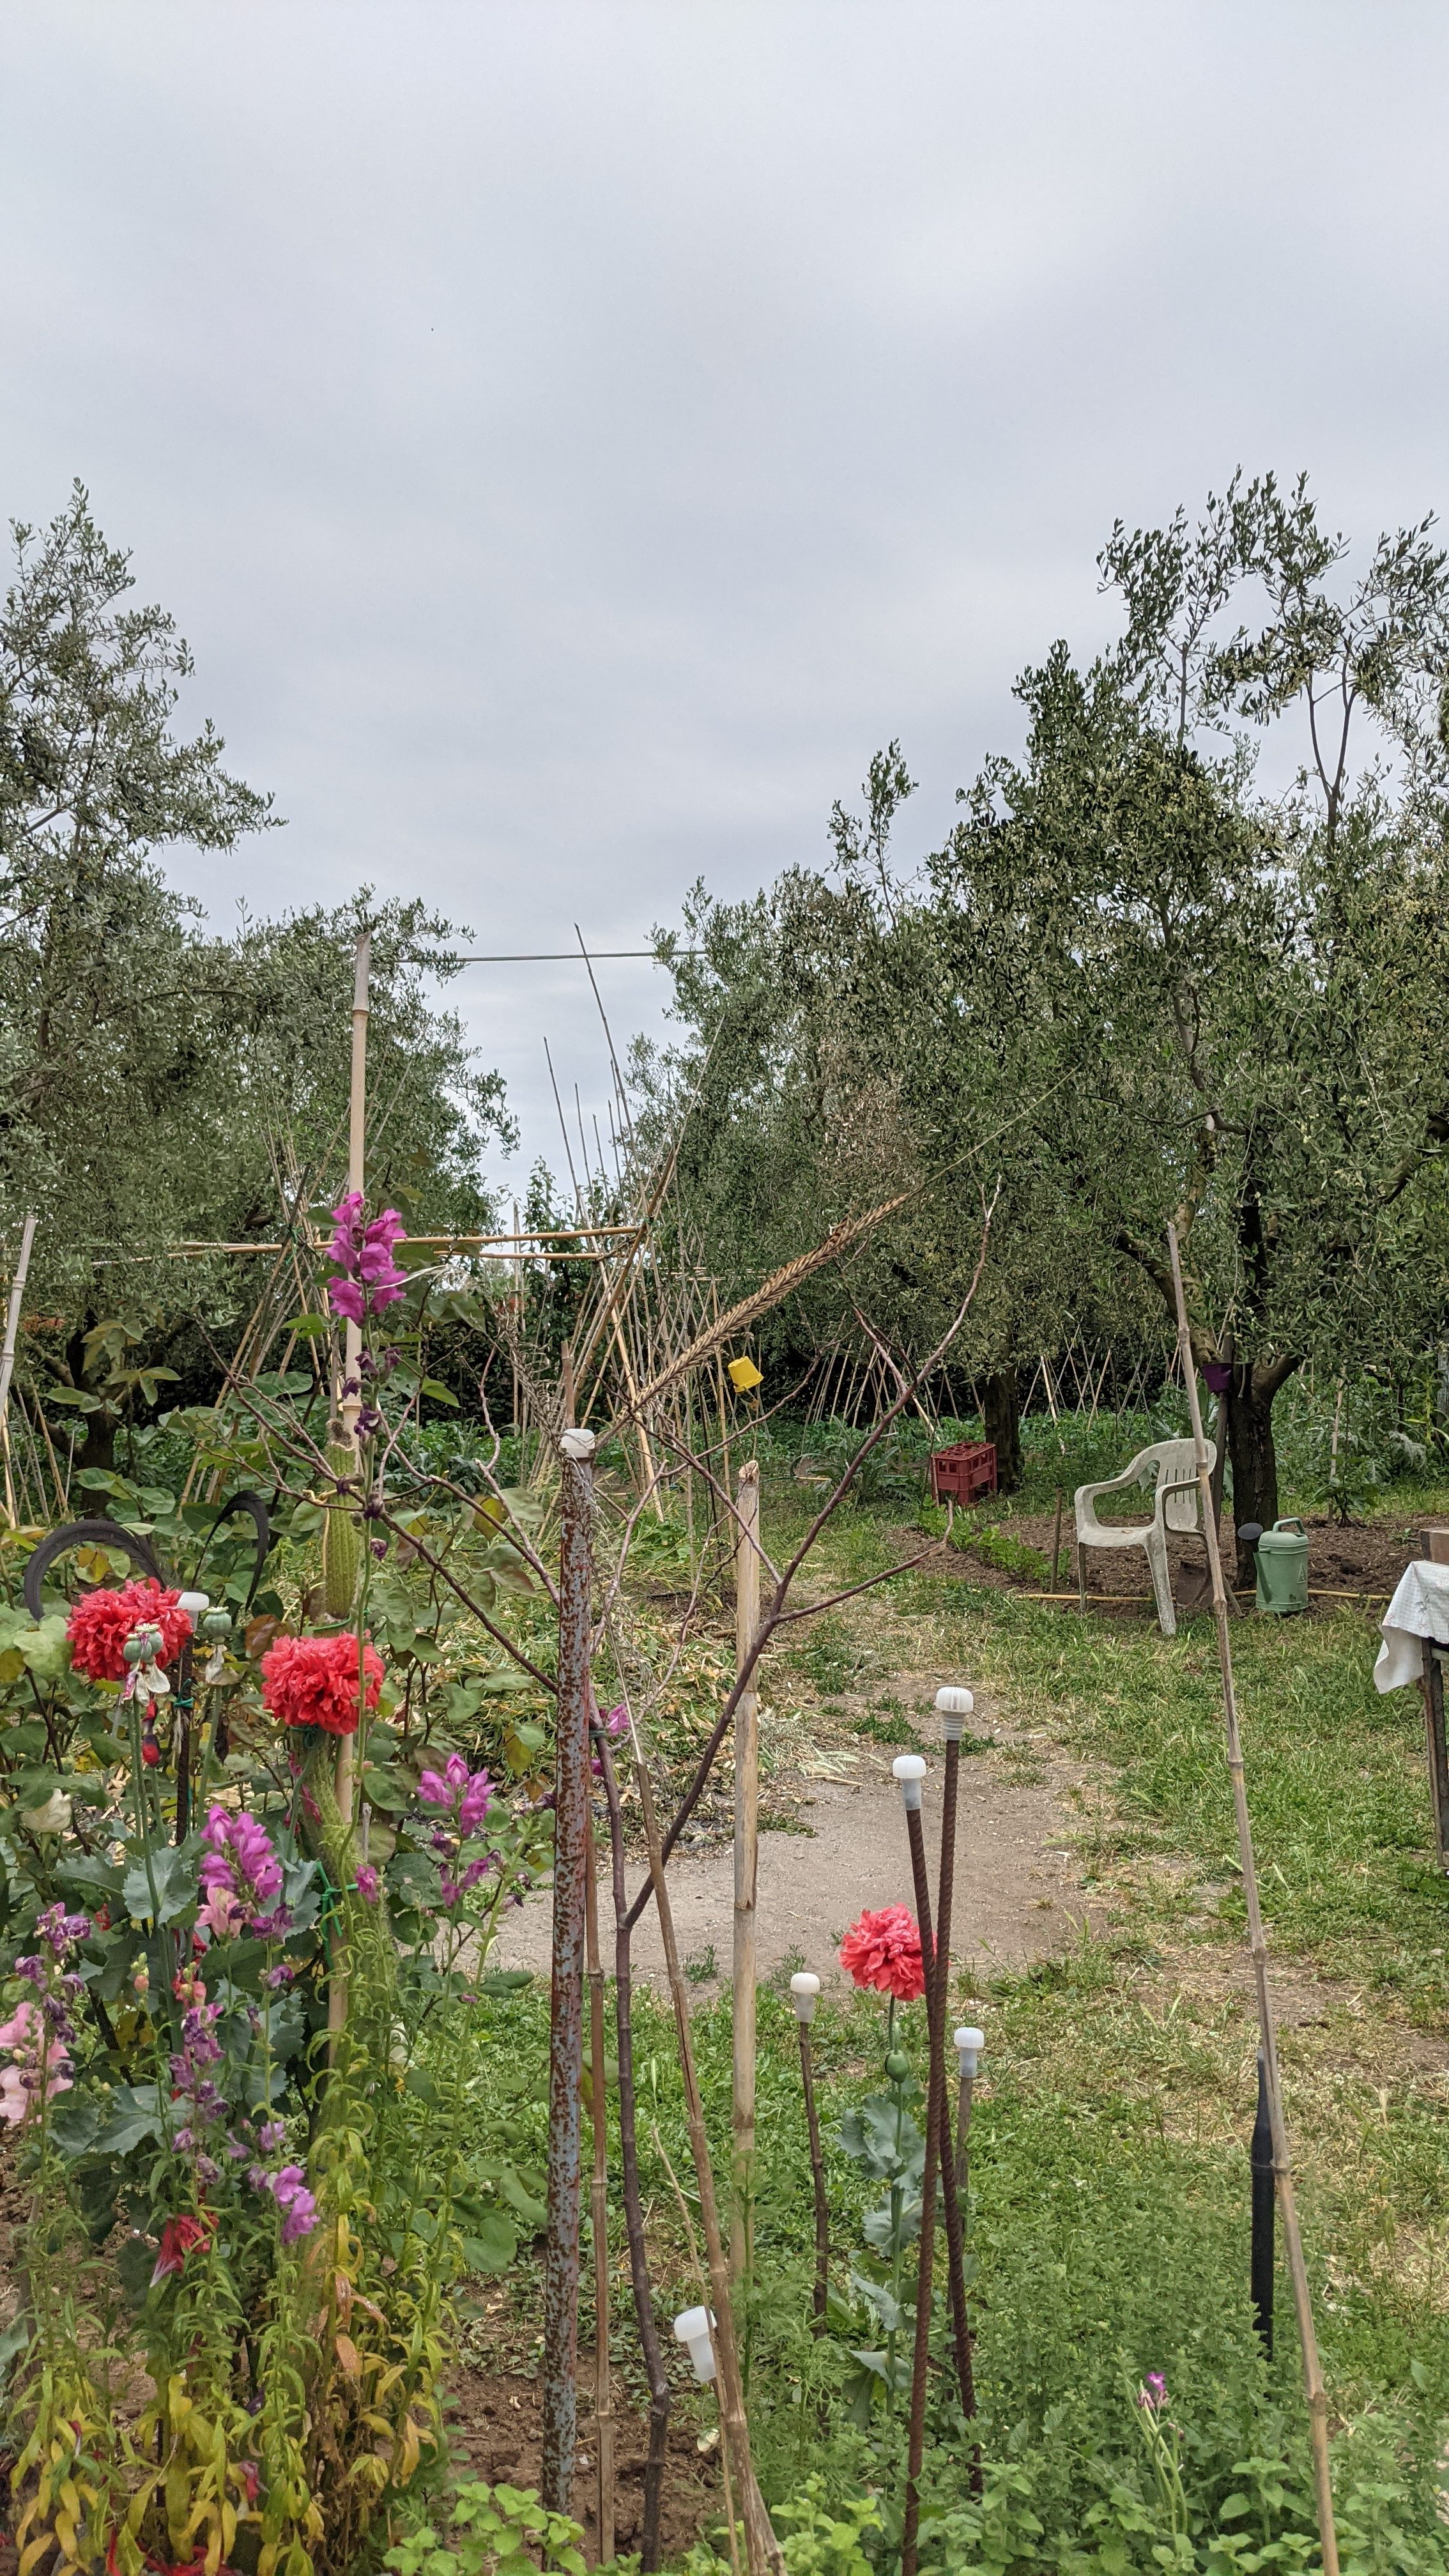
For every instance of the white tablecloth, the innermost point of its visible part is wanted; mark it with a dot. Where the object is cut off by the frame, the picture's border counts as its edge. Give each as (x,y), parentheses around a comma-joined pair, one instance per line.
(1419,1609)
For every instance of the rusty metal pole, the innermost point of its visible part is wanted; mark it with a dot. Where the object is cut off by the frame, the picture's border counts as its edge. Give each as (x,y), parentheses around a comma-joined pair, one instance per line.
(653,2351)
(566,2030)
(910,1770)
(599,2205)
(953,1707)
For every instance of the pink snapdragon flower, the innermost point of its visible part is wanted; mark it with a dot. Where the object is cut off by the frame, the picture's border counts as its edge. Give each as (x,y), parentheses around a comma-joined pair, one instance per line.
(369,1278)
(39,2066)
(299,2210)
(471,1792)
(467,1796)
(242,1876)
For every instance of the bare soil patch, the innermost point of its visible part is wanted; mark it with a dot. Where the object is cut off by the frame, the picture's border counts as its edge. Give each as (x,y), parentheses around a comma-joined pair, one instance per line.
(1364,1561)
(496,2432)
(1017,1894)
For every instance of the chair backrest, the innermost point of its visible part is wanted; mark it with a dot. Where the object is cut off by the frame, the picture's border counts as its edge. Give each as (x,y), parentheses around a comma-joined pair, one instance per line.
(1175,1462)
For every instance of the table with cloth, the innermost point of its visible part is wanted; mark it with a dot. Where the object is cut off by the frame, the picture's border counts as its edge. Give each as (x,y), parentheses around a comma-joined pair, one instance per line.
(1415,1630)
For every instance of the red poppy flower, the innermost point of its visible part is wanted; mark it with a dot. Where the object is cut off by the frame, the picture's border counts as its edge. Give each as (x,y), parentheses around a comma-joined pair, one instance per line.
(99,1625)
(312,1681)
(883,1951)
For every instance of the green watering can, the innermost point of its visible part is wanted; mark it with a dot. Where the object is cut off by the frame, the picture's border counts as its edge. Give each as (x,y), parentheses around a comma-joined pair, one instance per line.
(1282,1561)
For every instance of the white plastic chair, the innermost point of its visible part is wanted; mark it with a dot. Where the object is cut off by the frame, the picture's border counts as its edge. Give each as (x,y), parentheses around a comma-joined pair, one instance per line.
(1176,1506)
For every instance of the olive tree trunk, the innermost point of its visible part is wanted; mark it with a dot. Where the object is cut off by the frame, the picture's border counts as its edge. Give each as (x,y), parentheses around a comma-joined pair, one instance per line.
(1002,1410)
(1252,1456)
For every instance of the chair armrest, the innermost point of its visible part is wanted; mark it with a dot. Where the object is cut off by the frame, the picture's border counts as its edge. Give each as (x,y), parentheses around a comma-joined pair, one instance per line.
(1169,1485)
(1110,1485)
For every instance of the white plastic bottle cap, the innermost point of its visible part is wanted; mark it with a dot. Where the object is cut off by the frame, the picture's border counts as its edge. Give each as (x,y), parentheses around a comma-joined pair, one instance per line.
(577,1444)
(692,2327)
(910,1771)
(193,1603)
(953,1707)
(803,1992)
(968,2044)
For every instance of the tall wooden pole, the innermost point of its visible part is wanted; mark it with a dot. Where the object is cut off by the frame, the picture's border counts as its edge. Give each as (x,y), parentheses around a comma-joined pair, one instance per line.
(599,2208)
(7,1357)
(351,1401)
(566,2028)
(747,1853)
(349,1404)
(1258,1950)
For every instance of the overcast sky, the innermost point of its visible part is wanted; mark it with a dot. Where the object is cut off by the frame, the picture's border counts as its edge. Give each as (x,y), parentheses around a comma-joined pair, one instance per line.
(574,437)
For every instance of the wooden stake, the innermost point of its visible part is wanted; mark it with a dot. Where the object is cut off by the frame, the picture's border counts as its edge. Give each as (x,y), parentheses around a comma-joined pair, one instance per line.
(7,1357)
(566,2024)
(747,1853)
(762,2549)
(349,1406)
(599,2209)
(1258,1949)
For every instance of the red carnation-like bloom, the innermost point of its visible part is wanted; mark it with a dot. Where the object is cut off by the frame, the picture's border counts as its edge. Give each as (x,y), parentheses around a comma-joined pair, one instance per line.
(312,1681)
(99,1626)
(883,1950)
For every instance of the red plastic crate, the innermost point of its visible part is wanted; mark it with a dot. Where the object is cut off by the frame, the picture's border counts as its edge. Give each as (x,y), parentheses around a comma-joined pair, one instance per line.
(964,1472)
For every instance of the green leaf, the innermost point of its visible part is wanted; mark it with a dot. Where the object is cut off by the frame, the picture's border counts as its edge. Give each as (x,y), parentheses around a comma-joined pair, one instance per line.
(440,1394)
(504,1981)
(135,2116)
(491,2245)
(174,1872)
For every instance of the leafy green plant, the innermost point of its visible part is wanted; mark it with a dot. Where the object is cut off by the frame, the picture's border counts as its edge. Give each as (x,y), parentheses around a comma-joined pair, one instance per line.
(492,2531)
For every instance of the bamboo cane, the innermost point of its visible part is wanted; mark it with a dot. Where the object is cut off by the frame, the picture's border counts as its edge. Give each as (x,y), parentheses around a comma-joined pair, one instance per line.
(762,2549)
(7,1356)
(804,1994)
(1258,1949)
(565,2077)
(599,2209)
(747,1850)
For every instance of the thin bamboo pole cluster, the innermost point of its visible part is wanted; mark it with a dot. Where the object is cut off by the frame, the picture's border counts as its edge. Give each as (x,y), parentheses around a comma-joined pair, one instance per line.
(1313,2387)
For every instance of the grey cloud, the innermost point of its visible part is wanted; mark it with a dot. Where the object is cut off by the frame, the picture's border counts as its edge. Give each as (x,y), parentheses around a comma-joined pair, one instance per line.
(573,437)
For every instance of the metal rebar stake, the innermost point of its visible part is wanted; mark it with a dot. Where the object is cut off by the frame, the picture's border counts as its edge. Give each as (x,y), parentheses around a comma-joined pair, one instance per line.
(910,1770)
(599,2207)
(953,1707)
(1260,2162)
(649,2342)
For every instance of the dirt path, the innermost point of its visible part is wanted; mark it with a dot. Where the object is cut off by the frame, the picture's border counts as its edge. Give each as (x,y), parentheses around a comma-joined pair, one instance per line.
(1018,1897)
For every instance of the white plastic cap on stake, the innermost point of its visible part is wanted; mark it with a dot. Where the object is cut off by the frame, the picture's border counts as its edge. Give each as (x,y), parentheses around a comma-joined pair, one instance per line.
(692,2327)
(953,1707)
(803,1992)
(577,1444)
(193,1603)
(910,1771)
(968,2044)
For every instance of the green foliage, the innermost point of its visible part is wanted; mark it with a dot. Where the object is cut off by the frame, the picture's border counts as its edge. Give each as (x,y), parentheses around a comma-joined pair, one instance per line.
(493,2531)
